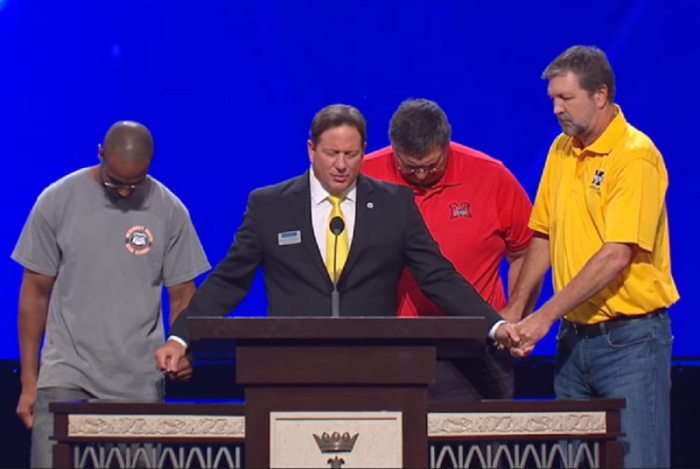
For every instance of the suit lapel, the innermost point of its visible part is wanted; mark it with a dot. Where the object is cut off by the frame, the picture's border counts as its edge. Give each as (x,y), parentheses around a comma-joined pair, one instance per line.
(363,223)
(301,204)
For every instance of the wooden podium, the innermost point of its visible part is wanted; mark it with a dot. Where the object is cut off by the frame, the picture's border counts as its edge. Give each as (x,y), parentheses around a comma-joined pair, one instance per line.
(329,392)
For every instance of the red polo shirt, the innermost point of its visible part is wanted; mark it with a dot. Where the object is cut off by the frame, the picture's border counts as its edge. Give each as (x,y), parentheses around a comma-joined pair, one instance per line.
(477,212)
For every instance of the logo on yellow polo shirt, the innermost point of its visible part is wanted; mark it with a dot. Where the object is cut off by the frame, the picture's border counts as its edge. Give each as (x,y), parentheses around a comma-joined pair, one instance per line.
(597,178)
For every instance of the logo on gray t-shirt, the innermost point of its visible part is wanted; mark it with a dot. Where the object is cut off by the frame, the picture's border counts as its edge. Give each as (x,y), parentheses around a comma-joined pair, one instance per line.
(138,240)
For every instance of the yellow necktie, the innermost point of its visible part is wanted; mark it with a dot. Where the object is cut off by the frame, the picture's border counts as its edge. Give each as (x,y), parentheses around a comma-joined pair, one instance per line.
(343,247)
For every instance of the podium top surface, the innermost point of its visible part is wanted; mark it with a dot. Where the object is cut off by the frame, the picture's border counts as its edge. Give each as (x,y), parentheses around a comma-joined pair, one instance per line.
(344,328)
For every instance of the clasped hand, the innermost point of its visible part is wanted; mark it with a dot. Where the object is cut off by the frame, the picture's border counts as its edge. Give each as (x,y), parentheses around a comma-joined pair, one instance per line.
(172,360)
(521,337)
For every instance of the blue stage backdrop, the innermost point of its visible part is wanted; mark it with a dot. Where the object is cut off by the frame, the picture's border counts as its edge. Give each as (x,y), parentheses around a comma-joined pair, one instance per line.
(229,88)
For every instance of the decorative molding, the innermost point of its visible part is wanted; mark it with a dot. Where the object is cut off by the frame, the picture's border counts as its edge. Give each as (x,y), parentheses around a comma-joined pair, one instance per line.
(156,426)
(515,454)
(521,423)
(222,455)
(452,424)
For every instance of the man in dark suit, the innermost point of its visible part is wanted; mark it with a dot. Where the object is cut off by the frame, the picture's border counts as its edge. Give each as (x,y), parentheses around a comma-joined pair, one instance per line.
(286,231)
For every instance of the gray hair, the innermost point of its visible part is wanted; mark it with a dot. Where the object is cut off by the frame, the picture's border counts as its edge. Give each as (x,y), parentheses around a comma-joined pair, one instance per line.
(589,64)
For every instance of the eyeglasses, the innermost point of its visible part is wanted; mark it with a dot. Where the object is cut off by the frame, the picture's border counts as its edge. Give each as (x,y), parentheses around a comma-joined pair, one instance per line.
(427,169)
(114,186)
(423,169)
(118,185)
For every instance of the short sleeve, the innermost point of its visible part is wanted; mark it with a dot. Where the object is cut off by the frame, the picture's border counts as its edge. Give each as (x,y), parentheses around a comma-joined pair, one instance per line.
(540,217)
(514,210)
(37,248)
(185,258)
(634,202)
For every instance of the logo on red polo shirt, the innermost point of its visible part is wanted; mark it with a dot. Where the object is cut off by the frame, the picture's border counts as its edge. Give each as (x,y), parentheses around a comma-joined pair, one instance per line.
(460,209)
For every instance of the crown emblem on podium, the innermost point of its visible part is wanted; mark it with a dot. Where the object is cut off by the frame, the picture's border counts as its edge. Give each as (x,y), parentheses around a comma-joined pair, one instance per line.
(335,443)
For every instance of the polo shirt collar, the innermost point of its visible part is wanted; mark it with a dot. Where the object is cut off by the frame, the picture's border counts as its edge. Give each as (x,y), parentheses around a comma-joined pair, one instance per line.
(453,170)
(611,136)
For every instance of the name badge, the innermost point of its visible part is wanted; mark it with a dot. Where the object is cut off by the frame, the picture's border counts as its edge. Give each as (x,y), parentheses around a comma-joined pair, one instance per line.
(289,237)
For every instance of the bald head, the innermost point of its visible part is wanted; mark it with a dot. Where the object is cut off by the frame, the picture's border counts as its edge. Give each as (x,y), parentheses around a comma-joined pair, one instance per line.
(125,157)
(131,141)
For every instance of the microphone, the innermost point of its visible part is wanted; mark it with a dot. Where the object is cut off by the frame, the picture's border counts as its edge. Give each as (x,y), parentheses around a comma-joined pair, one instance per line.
(337,225)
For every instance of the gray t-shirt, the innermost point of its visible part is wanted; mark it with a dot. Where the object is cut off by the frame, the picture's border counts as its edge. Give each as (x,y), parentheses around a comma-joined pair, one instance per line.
(110,259)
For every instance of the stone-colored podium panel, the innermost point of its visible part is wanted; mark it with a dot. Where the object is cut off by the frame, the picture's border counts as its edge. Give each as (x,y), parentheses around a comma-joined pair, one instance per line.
(336,439)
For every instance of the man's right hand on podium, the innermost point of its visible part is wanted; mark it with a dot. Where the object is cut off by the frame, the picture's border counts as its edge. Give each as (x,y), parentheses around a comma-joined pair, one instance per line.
(169,355)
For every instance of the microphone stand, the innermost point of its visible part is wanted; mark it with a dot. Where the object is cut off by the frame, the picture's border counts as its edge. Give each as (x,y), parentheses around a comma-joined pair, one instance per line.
(336,227)
(335,296)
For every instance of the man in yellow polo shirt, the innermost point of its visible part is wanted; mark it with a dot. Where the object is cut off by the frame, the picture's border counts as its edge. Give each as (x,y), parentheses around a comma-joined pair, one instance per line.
(600,222)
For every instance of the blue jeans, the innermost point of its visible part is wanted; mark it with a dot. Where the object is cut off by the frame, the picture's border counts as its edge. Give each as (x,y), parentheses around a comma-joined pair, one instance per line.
(631,362)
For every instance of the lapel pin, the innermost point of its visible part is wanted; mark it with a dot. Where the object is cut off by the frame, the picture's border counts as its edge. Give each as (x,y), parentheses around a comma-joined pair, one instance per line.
(370,205)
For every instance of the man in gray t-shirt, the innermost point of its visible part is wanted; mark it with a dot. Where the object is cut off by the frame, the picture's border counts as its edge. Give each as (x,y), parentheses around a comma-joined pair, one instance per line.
(97,248)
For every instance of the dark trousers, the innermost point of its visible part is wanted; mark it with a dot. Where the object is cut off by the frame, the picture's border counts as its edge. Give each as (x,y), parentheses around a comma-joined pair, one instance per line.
(487,376)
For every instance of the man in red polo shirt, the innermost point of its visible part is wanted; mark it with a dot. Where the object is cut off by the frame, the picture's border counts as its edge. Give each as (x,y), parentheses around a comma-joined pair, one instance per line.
(477,212)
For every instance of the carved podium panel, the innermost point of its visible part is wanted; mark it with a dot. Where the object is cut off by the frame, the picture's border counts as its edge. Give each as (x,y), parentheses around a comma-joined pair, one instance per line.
(368,439)
(337,392)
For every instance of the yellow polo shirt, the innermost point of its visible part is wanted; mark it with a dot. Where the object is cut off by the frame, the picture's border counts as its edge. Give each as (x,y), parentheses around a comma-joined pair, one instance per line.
(612,191)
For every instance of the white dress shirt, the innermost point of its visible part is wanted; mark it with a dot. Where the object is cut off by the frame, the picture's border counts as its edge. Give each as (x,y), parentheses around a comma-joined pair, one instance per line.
(321,208)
